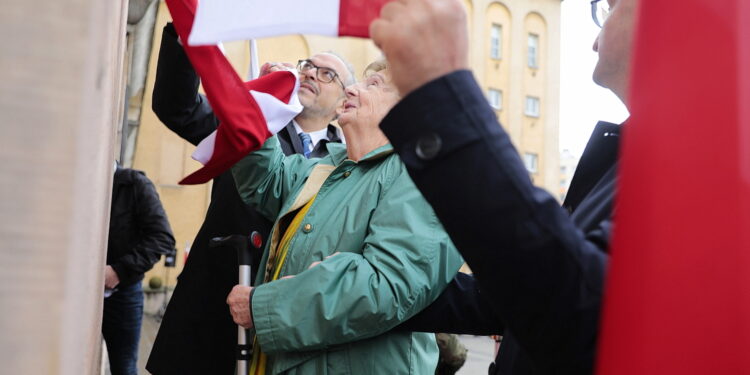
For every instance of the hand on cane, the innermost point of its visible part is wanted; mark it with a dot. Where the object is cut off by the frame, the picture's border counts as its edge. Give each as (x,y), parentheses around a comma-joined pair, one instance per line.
(239,305)
(239,300)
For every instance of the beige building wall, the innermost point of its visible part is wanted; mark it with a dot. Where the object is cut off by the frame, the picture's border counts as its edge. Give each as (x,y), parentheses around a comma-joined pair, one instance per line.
(511,75)
(61,87)
(165,157)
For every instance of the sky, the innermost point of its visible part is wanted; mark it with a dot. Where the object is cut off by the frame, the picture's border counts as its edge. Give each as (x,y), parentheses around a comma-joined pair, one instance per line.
(582,102)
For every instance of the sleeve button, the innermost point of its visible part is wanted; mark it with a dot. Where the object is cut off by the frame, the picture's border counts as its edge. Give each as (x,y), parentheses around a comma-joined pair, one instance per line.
(428,146)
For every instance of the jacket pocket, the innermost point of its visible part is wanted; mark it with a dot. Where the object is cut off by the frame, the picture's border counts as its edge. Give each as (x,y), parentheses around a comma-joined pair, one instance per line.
(338,362)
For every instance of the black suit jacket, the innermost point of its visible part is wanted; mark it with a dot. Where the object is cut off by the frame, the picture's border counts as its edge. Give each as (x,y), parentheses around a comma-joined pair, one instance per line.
(197,334)
(538,270)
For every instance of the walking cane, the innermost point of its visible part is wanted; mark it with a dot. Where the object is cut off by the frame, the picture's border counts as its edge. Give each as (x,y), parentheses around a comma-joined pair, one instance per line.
(242,245)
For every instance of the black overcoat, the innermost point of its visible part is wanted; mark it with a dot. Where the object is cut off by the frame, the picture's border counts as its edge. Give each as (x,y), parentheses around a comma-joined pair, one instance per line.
(539,268)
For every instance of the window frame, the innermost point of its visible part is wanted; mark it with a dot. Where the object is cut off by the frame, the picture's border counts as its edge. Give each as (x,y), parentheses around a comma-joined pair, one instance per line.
(499,40)
(490,91)
(538,104)
(533,159)
(532,63)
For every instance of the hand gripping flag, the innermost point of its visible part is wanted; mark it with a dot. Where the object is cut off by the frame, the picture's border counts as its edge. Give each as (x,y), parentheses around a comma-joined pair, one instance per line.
(226,20)
(248,112)
(678,292)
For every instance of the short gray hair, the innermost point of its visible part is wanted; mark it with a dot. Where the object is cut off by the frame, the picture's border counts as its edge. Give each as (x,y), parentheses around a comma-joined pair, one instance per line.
(349,67)
(378,65)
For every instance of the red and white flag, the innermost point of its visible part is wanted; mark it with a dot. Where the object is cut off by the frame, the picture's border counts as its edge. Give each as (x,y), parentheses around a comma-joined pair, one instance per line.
(678,291)
(227,20)
(276,96)
(248,112)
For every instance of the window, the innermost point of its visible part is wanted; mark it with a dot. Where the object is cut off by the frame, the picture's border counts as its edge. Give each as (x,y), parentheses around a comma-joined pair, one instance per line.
(496,42)
(532,106)
(533,54)
(495,97)
(531,161)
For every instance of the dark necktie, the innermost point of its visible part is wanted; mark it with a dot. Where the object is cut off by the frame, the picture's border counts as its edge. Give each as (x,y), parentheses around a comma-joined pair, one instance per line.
(307,145)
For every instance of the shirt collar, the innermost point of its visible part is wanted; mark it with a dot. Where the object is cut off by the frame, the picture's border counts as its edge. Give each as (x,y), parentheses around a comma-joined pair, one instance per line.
(315,136)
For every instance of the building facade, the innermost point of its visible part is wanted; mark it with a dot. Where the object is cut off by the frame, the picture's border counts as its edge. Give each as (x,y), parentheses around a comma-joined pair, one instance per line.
(514,53)
(568,164)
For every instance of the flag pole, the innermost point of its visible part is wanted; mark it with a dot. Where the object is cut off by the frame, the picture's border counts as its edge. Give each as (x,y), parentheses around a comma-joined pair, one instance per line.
(254,69)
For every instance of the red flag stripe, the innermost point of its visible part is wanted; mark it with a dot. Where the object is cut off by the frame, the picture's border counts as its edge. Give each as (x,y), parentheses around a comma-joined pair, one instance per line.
(355,16)
(242,124)
(676,299)
(743,45)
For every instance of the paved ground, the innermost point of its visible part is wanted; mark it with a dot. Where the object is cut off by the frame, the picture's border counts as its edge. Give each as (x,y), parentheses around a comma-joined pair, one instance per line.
(480,349)
(148,334)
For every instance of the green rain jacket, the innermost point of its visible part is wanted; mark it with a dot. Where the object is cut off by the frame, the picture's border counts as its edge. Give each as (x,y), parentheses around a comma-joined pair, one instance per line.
(395,259)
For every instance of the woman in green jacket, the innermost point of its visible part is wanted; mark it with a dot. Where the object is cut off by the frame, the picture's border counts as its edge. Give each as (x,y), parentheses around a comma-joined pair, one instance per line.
(394,258)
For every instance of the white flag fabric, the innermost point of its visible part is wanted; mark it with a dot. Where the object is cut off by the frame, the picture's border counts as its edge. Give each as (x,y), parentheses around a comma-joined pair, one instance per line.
(228,20)
(276,113)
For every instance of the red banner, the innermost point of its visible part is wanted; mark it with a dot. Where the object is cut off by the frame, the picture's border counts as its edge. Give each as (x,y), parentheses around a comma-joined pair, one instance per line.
(678,293)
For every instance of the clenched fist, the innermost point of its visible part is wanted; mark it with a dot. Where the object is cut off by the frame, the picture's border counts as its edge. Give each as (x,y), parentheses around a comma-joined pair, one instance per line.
(239,305)
(422,40)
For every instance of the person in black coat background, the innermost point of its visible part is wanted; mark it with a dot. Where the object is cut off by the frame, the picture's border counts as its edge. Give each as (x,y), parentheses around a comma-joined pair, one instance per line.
(539,269)
(197,334)
(139,234)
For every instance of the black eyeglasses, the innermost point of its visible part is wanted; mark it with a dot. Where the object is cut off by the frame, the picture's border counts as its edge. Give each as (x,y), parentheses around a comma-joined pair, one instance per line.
(599,12)
(324,74)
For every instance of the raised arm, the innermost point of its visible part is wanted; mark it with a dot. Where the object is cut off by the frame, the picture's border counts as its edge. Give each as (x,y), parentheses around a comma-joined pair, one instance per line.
(540,273)
(176,100)
(266,177)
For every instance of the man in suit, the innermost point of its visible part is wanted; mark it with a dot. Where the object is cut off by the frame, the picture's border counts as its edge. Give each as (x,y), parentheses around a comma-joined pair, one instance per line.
(197,334)
(539,269)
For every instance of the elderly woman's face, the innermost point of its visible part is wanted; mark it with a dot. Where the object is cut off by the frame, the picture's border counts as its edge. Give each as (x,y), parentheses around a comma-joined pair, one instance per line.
(367,102)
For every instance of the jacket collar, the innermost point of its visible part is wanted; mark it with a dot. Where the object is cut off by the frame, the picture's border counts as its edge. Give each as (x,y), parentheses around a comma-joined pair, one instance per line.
(337,151)
(599,156)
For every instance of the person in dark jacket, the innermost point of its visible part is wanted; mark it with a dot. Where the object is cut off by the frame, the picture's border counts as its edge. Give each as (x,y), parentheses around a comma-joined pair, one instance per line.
(139,234)
(539,269)
(197,334)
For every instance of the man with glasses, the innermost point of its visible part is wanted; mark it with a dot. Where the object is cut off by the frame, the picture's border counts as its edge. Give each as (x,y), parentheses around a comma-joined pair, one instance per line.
(197,334)
(539,269)
(321,92)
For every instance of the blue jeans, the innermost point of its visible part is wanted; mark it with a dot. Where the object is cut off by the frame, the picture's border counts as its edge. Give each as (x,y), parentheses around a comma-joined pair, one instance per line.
(121,328)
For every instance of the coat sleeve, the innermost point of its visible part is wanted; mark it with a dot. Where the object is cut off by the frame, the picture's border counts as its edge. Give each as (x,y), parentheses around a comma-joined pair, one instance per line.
(266,177)
(155,235)
(541,274)
(175,99)
(406,260)
(462,308)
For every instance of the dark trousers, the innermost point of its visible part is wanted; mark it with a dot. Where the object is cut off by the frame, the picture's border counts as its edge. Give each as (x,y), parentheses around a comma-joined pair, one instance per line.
(121,328)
